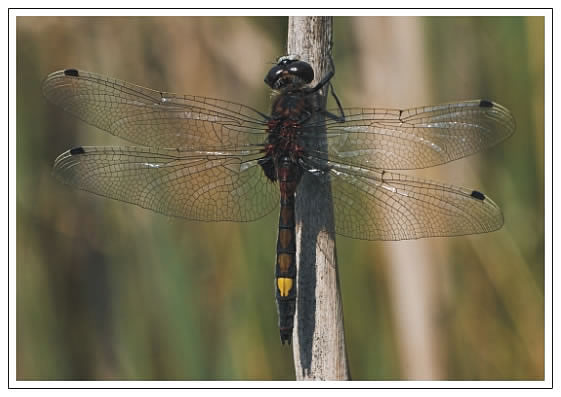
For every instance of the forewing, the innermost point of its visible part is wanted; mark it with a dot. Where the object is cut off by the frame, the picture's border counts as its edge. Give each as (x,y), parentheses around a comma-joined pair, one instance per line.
(192,185)
(419,137)
(381,205)
(153,118)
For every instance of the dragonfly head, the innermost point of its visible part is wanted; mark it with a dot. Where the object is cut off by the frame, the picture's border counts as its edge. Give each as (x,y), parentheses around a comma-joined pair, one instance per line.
(289,72)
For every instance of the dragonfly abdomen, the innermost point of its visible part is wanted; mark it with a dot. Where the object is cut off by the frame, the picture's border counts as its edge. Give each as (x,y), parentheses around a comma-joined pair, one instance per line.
(288,175)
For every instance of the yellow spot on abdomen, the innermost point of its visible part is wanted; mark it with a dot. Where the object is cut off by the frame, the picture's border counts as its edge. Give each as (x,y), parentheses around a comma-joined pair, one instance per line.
(285,285)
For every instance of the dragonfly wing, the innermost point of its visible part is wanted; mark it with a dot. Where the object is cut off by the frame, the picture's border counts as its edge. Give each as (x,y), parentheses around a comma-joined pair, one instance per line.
(153,118)
(193,185)
(382,205)
(418,137)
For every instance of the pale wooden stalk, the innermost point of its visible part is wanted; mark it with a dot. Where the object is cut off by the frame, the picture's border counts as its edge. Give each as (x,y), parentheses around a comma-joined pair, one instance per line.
(319,339)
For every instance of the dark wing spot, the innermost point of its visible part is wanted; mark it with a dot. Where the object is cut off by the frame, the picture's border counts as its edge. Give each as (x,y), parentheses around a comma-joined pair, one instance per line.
(478,195)
(71,72)
(485,104)
(77,150)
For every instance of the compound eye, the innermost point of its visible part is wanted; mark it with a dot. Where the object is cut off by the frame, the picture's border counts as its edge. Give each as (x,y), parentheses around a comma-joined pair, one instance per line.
(271,77)
(291,67)
(303,70)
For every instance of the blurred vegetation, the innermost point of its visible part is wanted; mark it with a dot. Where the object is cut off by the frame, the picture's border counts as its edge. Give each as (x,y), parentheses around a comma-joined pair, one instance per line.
(106,290)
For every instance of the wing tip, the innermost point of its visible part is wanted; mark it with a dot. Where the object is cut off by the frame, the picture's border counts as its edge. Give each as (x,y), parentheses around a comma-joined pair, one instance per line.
(508,122)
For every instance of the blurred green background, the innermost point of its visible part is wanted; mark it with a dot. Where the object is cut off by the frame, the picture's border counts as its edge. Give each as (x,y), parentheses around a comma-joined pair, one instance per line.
(106,290)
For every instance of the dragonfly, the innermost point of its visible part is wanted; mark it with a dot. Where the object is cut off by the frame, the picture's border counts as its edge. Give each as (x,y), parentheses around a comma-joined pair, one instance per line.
(208,159)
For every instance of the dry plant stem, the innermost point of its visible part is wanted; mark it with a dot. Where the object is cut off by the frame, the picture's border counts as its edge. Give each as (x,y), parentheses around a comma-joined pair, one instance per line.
(319,339)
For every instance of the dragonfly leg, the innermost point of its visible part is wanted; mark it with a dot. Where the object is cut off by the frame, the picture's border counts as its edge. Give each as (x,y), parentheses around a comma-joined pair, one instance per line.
(327,80)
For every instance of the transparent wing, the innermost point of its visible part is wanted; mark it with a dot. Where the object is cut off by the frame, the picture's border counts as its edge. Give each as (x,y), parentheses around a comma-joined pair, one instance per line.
(153,118)
(381,205)
(416,138)
(193,185)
